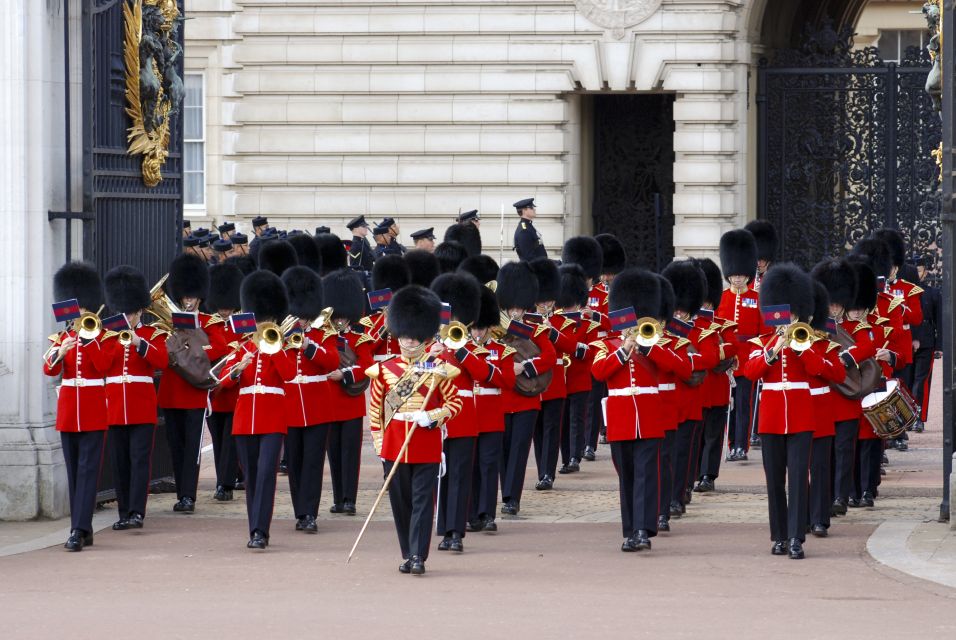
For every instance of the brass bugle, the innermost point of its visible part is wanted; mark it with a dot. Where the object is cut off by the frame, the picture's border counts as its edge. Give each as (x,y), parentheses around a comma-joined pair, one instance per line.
(88,326)
(647,333)
(454,335)
(268,338)
(126,337)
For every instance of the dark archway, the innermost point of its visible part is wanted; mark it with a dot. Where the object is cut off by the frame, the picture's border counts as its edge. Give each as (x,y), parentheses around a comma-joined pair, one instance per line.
(784,21)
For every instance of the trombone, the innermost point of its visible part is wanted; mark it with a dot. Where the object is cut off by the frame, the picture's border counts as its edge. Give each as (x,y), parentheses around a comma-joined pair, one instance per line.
(88,325)
(796,335)
(647,333)
(268,338)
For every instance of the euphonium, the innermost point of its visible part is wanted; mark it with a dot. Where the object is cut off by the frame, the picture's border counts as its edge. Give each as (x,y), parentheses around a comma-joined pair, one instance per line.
(162,307)
(647,333)
(88,326)
(323,318)
(126,337)
(454,335)
(268,338)
(799,336)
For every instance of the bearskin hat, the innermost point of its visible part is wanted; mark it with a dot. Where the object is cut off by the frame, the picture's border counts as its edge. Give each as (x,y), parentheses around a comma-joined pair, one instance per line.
(786,283)
(278,256)
(126,289)
(821,306)
(225,282)
(638,288)
(549,280)
(517,286)
(839,278)
(244,263)
(489,314)
(462,292)
(689,285)
(423,266)
(467,235)
(574,287)
(586,252)
(667,299)
(876,254)
(263,294)
(414,312)
(305,292)
(738,253)
(766,236)
(188,278)
(613,255)
(866,289)
(390,272)
(332,254)
(450,255)
(895,243)
(343,292)
(715,283)
(306,250)
(81,281)
(484,268)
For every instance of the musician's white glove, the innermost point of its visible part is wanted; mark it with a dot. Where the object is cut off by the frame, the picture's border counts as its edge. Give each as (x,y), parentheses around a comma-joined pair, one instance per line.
(422,418)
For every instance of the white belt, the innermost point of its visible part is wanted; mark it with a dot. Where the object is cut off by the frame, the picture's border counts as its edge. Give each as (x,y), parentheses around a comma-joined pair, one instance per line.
(300,379)
(82,382)
(784,386)
(485,391)
(405,416)
(128,379)
(465,393)
(633,391)
(602,334)
(819,391)
(560,362)
(667,386)
(382,356)
(258,388)
(906,327)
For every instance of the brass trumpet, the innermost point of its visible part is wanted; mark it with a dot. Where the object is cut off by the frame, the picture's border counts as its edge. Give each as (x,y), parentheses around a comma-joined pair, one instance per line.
(88,326)
(268,338)
(126,337)
(454,335)
(799,336)
(647,333)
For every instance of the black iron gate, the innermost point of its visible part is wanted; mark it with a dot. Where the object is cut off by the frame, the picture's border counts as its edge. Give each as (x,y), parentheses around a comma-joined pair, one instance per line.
(845,144)
(634,175)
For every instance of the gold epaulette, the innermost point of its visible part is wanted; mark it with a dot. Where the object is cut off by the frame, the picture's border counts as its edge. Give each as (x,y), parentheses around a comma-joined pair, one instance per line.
(881,320)
(833,345)
(705,333)
(56,338)
(507,352)
(914,290)
(895,302)
(887,331)
(756,341)
(568,322)
(109,334)
(235,344)
(664,341)
(328,333)
(214,319)
(862,326)
(594,326)
(366,321)
(729,324)
(374,371)
(451,371)
(157,332)
(681,343)
(598,344)
(363,339)
(541,329)
(479,351)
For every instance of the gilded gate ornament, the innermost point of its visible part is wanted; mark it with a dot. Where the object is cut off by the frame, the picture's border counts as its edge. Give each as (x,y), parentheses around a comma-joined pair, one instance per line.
(154,89)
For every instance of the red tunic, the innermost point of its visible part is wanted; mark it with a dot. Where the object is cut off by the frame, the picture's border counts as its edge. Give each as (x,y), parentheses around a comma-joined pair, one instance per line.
(543,362)
(744,310)
(307,394)
(223,399)
(706,343)
(342,406)
(489,405)
(565,346)
(81,397)
(261,405)
(174,391)
(844,408)
(899,340)
(667,378)
(821,395)
(578,375)
(597,302)
(130,385)
(386,346)
(474,369)
(910,295)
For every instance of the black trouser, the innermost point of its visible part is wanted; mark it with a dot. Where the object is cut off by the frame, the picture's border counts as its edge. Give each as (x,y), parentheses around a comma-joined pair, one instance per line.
(131,448)
(259,457)
(666,487)
(844,458)
(786,464)
(869,455)
(573,427)
(922,379)
(547,437)
(83,455)
(637,463)
(595,425)
(454,488)
(484,484)
(184,435)
(820,474)
(412,496)
(519,429)
(305,455)
(345,457)
(683,463)
(715,423)
(223,448)
(696,446)
(741,418)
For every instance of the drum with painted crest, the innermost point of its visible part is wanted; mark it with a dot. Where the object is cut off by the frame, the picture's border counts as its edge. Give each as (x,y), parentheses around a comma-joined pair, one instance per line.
(890,412)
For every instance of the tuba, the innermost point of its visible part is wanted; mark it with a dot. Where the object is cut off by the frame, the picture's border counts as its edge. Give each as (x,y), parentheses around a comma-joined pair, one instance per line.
(162,306)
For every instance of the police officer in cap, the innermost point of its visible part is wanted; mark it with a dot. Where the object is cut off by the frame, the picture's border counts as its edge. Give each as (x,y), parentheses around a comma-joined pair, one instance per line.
(470,216)
(528,243)
(382,239)
(425,239)
(391,244)
(360,253)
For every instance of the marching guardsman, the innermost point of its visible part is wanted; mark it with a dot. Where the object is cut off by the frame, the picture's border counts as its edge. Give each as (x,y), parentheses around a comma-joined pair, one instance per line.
(424,239)
(81,414)
(490,412)
(689,287)
(347,384)
(527,240)
(423,266)
(389,274)
(467,235)
(314,352)
(412,398)
(184,405)
(332,253)
(897,345)
(136,352)
(896,285)
(517,291)
(450,255)
(360,252)
(260,368)
(613,261)
(765,235)
(927,345)
(225,281)
(848,312)
(484,268)
(306,250)
(740,304)
(822,397)
(717,385)
(785,415)
(463,293)
(572,299)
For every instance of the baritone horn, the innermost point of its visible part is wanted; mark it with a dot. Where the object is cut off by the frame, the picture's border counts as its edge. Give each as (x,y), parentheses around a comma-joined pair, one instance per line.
(162,306)
(269,338)
(323,318)
(647,333)
(454,335)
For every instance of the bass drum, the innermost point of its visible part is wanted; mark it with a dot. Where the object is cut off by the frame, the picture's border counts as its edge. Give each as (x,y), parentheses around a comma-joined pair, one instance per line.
(525,386)
(347,359)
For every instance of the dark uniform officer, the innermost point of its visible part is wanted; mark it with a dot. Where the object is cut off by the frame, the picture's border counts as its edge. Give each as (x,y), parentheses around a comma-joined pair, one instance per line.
(424,239)
(360,253)
(527,240)
(221,249)
(394,246)
(470,216)
(226,229)
(259,227)
(382,239)
(322,229)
